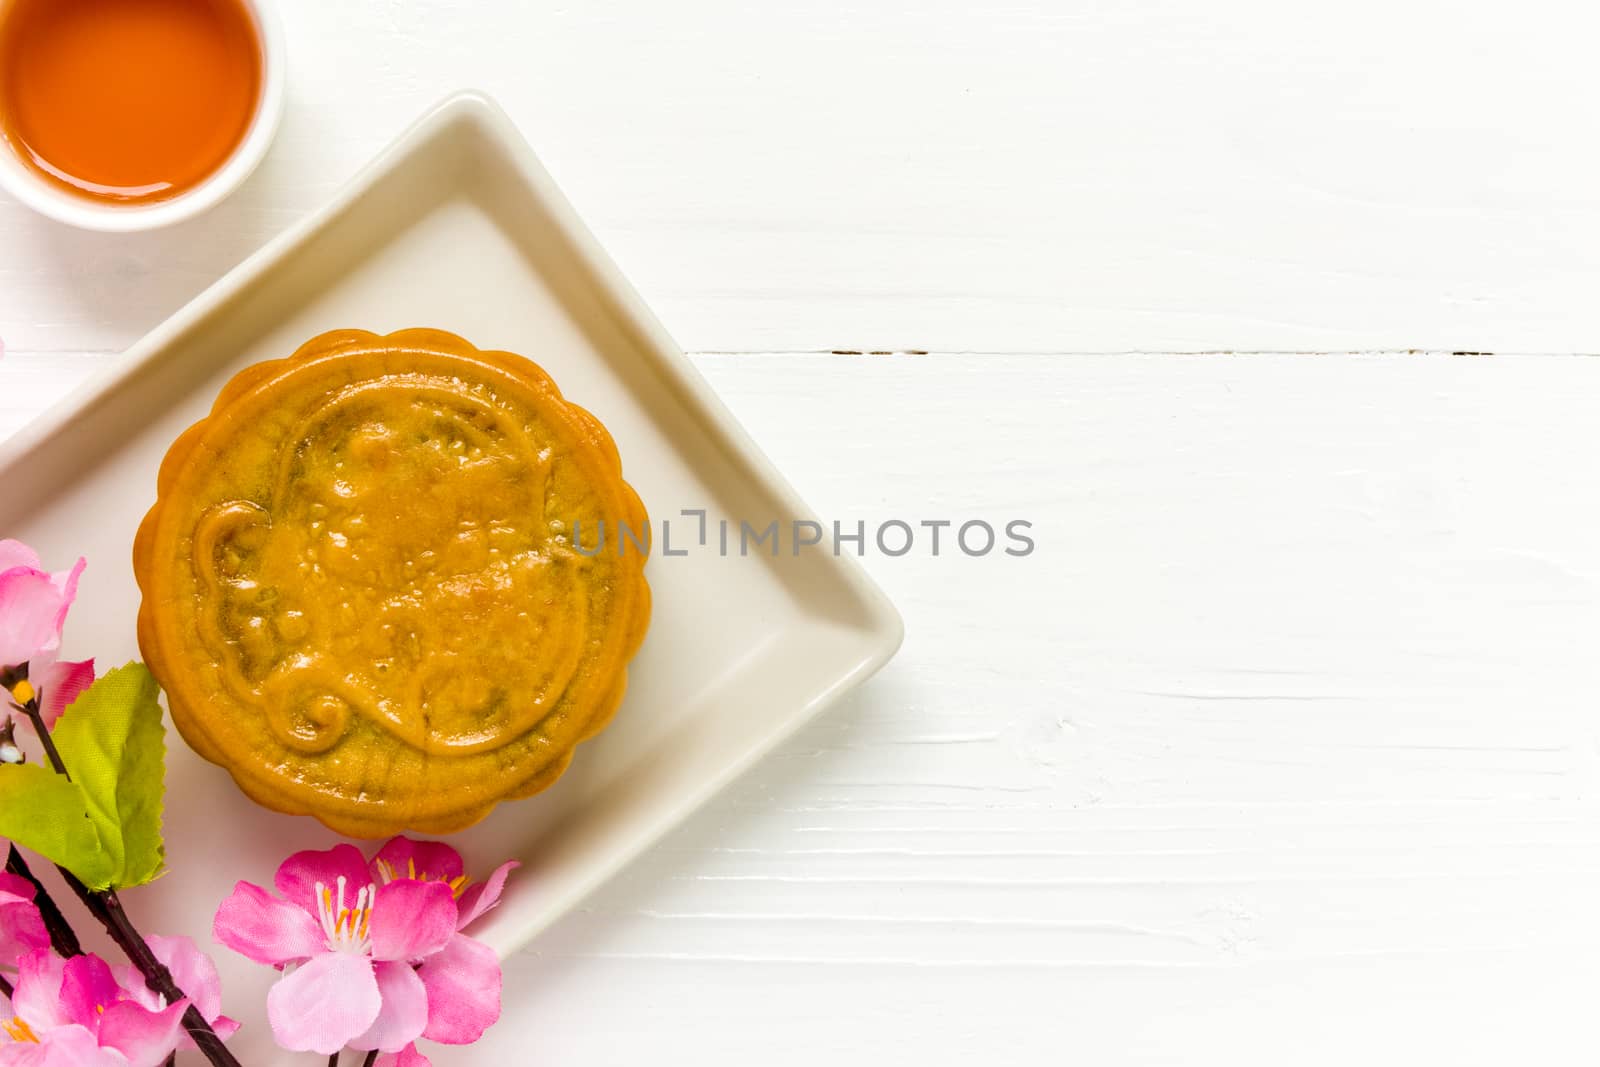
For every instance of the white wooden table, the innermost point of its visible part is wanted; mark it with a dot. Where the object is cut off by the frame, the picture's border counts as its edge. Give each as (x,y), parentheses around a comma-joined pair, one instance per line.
(1284,745)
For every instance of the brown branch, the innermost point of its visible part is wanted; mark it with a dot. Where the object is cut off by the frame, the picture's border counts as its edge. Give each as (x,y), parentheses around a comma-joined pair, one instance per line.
(62,939)
(107,908)
(31,710)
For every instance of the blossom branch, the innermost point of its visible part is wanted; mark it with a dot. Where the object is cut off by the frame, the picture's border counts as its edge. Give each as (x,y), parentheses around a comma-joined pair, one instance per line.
(108,910)
(36,716)
(62,939)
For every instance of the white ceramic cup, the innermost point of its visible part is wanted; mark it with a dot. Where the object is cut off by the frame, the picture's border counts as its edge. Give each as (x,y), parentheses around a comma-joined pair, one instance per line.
(27,186)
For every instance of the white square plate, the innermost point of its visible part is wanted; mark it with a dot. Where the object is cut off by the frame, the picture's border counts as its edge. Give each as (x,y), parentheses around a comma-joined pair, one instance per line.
(457,226)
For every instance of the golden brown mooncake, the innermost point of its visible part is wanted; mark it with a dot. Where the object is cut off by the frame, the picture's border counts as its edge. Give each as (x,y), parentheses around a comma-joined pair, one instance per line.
(361,591)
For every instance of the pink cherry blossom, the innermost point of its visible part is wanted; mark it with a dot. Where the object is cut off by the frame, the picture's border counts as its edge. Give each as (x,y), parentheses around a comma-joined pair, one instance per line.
(348,947)
(21,926)
(435,861)
(193,973)
(372,951)
(463,979)
(74,1012)
(33,605)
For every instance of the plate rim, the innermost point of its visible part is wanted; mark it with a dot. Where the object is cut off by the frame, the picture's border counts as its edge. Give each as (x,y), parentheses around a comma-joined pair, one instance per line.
(476,109)
(881,629)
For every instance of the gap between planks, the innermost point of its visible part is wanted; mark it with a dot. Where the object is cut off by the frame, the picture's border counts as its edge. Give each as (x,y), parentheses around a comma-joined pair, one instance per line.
(977,353)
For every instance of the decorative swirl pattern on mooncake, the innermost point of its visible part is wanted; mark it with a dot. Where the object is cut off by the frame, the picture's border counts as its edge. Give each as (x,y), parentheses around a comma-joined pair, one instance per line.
(360,592)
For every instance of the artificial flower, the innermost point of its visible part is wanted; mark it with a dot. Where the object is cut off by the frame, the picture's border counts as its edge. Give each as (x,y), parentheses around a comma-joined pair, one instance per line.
(193,973)
(463,979)
(352,946)
(74,1012)
(21,926)
(377,946)
(33,605)
(435,861)
(64,1046)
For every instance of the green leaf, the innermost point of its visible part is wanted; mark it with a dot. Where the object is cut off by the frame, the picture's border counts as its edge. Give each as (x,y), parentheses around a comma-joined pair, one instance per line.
(113,743)
(42,811)
(141,788)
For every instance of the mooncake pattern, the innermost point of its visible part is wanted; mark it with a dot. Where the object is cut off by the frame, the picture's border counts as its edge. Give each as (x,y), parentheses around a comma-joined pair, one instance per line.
(360,588)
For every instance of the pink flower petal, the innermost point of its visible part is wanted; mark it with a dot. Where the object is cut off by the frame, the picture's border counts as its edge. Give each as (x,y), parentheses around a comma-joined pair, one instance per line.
(463,983)
(404,1012)
(21,932)
(15,554)
(412,920)
(65,1046)
(136,988)
(66,583)
(259,926)
(323,1005)
(193,972)
(87,990)
(482,896)
(427,860)
(59,685)
(21,926)
(298,875)
(33,604)
(406,1057)
(14,886)
(29,606)
(38,990)
(145,1037)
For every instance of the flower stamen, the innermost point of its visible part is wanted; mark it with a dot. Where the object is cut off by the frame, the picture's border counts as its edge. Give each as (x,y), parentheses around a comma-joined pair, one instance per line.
(347,928)
(19,1031)
(387,872)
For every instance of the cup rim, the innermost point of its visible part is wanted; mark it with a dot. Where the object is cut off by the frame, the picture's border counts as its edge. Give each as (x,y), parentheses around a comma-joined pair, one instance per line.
(34,191)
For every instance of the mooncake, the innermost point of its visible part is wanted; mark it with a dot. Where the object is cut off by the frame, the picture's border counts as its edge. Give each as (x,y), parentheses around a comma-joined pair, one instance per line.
(366,587)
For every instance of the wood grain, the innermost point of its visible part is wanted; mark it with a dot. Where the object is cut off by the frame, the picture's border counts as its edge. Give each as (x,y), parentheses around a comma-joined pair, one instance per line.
(1280,746)
(1101,175)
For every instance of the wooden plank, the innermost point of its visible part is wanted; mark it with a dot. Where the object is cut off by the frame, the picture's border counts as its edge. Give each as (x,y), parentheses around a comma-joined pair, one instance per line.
(1281,744)
(1038,175)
